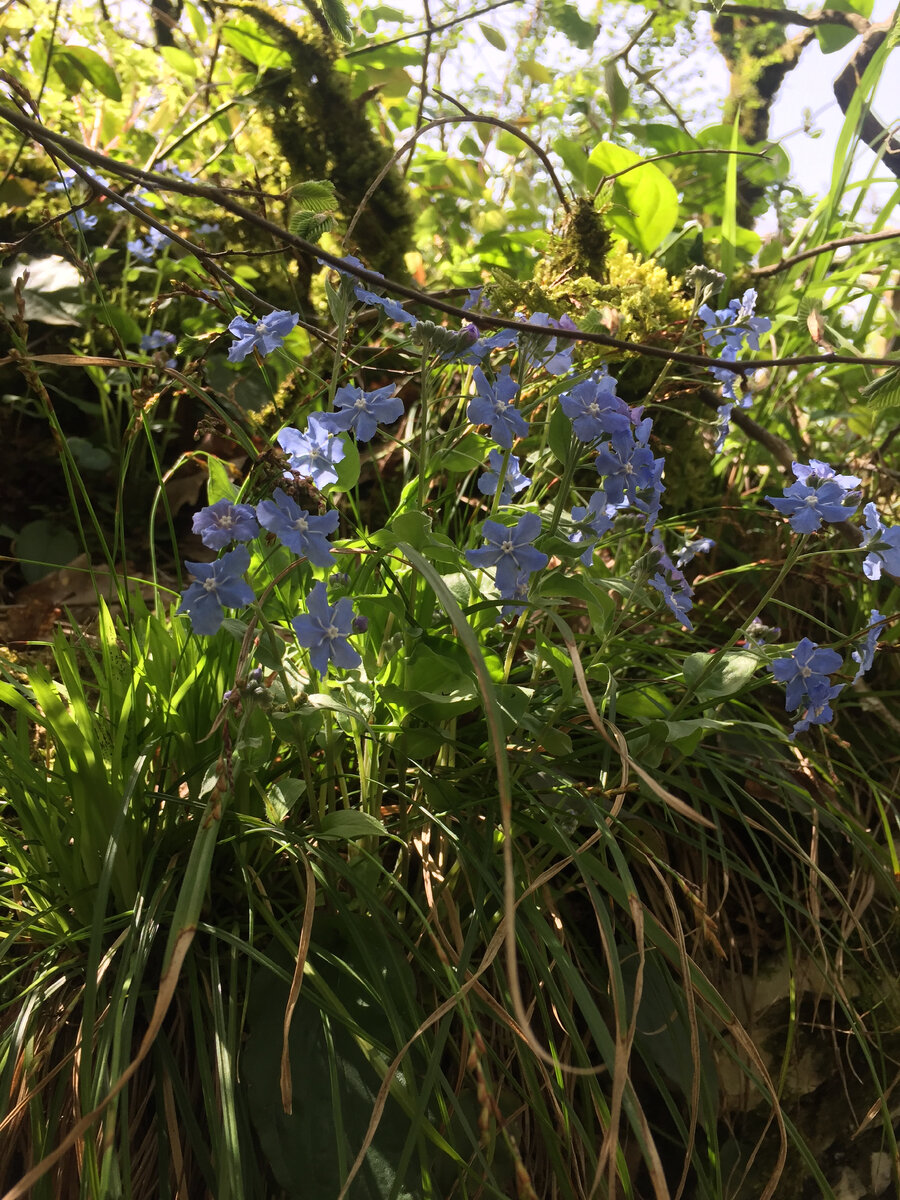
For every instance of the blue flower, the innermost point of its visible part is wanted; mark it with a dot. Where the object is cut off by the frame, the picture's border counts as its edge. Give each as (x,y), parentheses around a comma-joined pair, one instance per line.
(628,468)
(265,335)
(323,630)
(475,354)
(510,551)
(147,250)
(818,711)
(81,220)
(596,518)
(517,596)
(513,480)
(542,352)
(865,655)
(393,308)
(360,411)
(678,602)
(735,324)
(224,522)
(492,405)
(807,507)
(219,585)
(815,472)
(208,227)
(691,549)
(885,543)
(297,529)
(805,673)
(312,454)
(157,339)
(596,411)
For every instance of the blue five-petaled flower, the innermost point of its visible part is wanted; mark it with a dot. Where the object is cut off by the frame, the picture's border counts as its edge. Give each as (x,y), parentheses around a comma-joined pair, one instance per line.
(360,412)
(510,551)
(297,529)
(265,335)
(312,454)
(225,522)
(807,506)
(513,478)
(219,585)
(492,405)
(323,630)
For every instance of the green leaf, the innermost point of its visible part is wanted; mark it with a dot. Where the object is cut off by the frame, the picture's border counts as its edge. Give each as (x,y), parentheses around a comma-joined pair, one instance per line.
(338,21)
(310,226)
(281,798)
(347,469)
(88,456)
(42,546)
(836,37)
(616,92)
(536,71)
(730,672)
(348,824)
(254,44)
(496,39)
(219,486)
(196,19)
(883,392)
(560,435)
(413,527)
(180,61)
(729,213)
(467,454)
(569,21)
(91,66)
(315,196)
(645,202)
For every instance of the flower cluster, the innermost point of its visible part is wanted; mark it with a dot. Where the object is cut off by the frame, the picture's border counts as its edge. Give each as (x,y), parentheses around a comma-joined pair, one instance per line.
(514,480)
(805,674)
(731,328)
(883,544)
(146,249)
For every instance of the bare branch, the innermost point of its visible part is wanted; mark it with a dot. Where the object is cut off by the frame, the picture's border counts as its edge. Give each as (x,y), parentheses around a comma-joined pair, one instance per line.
(856,239)
(786,16)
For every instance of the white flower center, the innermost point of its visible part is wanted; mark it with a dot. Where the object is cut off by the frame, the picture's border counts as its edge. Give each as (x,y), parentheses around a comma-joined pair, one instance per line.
(301,524)
(226,521)
(210,585)
(508,546)
(360,403)
(332,632)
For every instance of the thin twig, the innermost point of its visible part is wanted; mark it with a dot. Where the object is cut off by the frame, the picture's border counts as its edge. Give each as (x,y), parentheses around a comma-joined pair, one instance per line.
(436,124)
(406,37)
(856,239)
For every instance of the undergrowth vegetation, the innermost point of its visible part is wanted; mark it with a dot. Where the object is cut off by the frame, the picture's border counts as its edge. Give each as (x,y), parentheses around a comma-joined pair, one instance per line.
(473,771)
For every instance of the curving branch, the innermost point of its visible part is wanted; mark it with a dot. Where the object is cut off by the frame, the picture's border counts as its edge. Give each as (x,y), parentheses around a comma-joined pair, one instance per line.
(74,153)
(786,16)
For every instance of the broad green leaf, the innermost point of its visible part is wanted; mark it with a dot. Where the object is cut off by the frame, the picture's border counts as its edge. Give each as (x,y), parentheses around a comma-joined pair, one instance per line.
(310,225)
(349,824)
(883,392)
(348,468)
(496,39)
(536,71)
(43,545)
(413,527)
(560,435)
(91,66)
(219,485)
(729,214)
(180,61)
(729,673)
(254,44)
(569,21)
(196,19)
(836,37)
(315,196)
(645,202)
(663,139)
(281,798)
